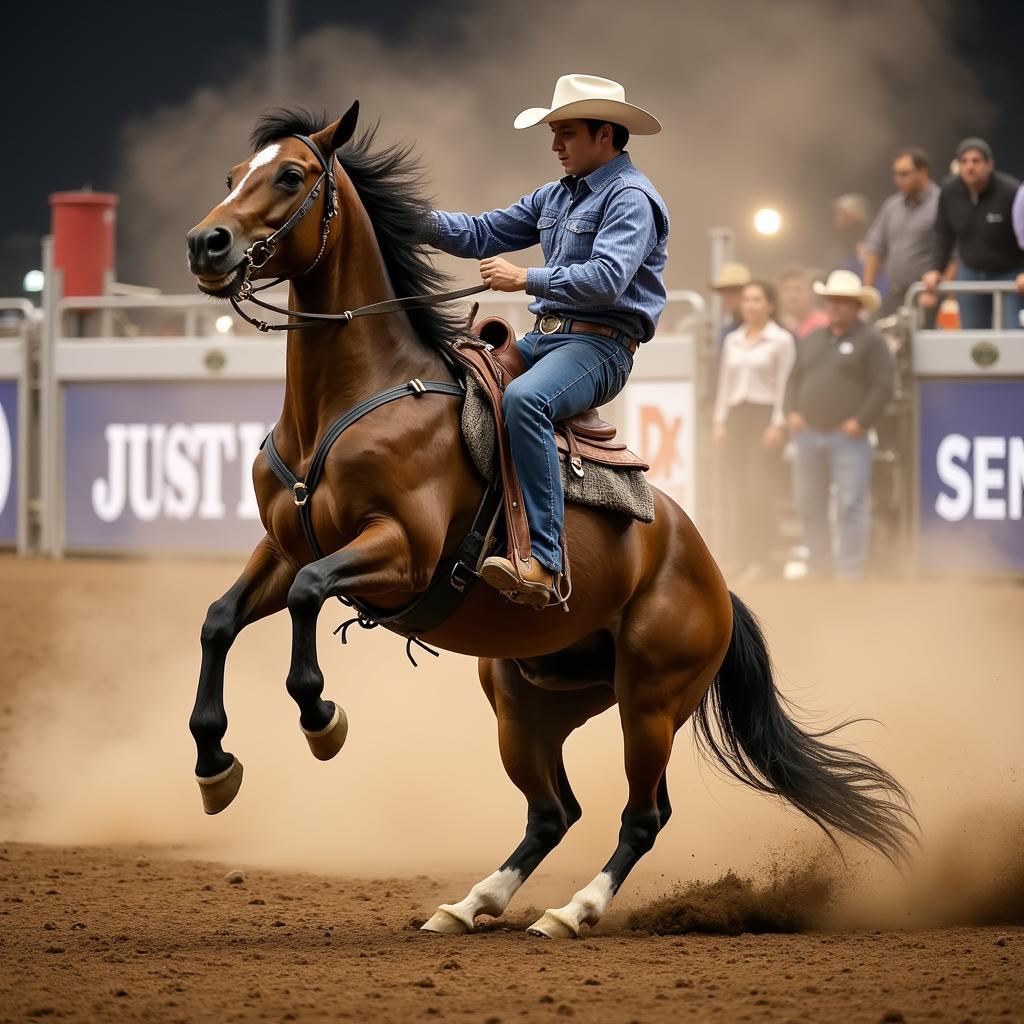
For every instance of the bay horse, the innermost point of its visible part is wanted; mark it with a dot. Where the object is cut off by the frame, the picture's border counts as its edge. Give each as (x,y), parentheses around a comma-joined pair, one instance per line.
(652,626)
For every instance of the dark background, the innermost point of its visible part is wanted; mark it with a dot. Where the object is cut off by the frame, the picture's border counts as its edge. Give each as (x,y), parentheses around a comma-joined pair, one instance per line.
(75,75)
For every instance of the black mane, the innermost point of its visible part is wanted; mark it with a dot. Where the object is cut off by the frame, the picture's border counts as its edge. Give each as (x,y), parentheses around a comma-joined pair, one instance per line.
(390,184)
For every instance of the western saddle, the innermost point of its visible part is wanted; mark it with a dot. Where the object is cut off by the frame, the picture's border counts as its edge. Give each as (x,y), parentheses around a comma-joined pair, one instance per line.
(489,352)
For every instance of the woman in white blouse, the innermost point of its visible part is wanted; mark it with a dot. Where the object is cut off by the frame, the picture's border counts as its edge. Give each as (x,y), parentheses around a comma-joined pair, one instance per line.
(749,422)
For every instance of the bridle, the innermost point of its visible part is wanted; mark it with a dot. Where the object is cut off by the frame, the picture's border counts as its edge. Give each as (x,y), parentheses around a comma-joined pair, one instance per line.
(262,251)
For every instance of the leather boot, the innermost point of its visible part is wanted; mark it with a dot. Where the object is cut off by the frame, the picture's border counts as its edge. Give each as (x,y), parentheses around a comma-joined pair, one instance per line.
(532,587)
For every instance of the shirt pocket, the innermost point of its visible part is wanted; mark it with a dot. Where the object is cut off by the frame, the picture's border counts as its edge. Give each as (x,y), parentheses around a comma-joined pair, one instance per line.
(579,238)
(546,226)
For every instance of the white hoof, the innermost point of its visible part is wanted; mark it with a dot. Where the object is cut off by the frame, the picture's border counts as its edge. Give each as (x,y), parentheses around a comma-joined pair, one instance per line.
(326,742)
(554,925)
(446,922)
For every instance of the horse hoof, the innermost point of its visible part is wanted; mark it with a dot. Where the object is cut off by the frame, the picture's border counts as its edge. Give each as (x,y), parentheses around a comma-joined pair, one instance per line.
(444,922)
(219,790)
(553,926)
(326,742)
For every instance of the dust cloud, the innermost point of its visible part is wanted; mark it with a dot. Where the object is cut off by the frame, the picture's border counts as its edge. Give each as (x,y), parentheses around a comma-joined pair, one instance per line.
(780,104)
(98,678)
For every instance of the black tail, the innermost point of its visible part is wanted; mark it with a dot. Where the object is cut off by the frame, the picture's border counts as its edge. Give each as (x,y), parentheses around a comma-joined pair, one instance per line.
(743,724)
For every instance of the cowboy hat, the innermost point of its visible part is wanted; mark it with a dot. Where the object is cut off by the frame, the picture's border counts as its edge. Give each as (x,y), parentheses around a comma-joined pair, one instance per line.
(731,275)
(587,96)
(845,284)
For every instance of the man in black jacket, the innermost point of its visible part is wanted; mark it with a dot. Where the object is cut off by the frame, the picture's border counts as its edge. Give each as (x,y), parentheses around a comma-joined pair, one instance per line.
(975,216)
(840,384)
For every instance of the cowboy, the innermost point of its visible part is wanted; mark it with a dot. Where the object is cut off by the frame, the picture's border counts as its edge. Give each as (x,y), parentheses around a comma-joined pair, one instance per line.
(839,386)
(603,230)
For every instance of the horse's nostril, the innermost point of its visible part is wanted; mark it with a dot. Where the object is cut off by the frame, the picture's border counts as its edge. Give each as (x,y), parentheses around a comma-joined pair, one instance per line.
(218,242)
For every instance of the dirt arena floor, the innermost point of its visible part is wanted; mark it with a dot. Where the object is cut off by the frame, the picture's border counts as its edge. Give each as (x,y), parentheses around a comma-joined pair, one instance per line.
(120,900)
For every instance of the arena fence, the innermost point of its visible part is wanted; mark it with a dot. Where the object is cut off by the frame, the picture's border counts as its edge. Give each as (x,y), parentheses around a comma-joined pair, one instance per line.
(129,425)
(968,486)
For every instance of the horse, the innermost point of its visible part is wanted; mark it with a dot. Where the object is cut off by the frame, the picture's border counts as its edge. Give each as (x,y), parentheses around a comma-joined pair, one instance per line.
(651,626)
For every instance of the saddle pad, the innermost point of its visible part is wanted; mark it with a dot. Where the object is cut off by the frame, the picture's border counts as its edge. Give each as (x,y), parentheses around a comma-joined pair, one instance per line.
(618,490)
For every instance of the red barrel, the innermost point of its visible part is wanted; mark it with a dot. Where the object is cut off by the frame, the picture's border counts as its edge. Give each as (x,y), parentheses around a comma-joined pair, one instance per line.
(83,226)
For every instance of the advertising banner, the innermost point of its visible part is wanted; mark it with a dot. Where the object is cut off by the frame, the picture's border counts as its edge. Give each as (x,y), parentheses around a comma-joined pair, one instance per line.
(9,440)
(972,475)
(660,429)
(163,466)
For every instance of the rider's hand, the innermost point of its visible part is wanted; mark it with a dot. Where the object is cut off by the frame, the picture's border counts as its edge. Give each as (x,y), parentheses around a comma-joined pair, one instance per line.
(502,276)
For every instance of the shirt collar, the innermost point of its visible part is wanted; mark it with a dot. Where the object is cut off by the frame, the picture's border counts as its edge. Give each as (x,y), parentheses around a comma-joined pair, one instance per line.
(597,180)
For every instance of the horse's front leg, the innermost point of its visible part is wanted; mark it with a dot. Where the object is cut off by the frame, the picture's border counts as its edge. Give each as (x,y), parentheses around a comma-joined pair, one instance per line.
(376,562)
(261,590)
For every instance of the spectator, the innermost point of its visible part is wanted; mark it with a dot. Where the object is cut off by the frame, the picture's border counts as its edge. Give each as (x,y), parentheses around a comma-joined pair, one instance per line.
(840,384)
(799,312)
(975,214)
(901,238)
(749,423)
(1018,216)
(732,277)
(851,215)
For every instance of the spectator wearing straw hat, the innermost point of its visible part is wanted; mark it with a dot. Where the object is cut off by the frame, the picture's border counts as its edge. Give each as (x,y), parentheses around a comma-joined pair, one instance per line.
(839,386)
(732,278)
(975,215)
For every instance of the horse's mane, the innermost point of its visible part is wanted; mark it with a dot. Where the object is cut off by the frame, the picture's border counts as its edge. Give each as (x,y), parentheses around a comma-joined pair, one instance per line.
(390,184)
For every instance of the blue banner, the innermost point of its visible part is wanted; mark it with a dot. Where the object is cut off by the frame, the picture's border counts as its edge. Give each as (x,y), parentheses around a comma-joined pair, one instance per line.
(164,466)
(972,475)
(9,439)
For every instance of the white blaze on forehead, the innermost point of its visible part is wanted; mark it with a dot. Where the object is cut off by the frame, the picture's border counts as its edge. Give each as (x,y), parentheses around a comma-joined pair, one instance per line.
(264,156)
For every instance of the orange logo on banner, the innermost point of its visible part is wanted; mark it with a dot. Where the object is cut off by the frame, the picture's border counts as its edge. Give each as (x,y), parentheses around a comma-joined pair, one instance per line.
(662,450)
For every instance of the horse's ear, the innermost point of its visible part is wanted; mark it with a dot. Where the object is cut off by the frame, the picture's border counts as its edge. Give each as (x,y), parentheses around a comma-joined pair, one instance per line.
(345,127)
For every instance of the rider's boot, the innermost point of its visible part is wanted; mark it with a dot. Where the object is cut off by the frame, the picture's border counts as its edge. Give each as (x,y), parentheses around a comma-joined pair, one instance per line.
(532,587)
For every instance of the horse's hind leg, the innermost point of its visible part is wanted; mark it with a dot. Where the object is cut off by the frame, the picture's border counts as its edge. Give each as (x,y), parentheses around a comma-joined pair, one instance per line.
(260,590)
(532,726)
(663,668)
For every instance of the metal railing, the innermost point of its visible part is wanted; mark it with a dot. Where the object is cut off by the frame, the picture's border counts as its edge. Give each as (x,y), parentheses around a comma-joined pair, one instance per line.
(994,288)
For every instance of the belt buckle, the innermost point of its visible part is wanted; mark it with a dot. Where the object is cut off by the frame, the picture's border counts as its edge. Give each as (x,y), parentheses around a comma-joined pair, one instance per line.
(550,324)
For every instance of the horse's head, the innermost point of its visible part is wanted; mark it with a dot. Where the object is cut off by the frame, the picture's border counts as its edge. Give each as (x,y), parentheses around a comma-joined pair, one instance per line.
(276,217)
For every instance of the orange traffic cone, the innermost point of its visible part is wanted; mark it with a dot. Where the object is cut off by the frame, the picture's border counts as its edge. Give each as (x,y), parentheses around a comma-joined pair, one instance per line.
(948,318)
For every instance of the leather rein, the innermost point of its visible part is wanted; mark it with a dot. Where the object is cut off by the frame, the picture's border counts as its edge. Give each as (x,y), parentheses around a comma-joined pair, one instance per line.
(263,250)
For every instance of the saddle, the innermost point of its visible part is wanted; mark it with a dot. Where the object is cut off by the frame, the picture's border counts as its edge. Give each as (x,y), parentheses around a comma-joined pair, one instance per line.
(489,352)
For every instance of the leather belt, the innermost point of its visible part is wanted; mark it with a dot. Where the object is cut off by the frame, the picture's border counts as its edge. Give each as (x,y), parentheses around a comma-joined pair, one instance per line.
(551,324)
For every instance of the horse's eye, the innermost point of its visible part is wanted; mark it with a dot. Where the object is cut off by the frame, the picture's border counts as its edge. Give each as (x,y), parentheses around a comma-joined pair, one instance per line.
(291,178)
(227,181)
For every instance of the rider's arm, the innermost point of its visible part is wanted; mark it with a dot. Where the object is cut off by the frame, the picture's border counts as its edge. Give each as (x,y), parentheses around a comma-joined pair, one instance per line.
(489,234)
(625,238)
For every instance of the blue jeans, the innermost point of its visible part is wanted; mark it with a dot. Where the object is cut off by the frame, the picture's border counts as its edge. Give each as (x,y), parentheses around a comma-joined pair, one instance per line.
(976,310)
(566,374)
(822,458)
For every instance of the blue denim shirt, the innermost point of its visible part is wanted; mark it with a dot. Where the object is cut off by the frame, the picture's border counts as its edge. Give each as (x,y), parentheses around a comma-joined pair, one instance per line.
(604,239)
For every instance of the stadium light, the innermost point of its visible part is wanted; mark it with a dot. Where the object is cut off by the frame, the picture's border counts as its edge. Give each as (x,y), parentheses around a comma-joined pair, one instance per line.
(223,324)
(767,221)
(34,281)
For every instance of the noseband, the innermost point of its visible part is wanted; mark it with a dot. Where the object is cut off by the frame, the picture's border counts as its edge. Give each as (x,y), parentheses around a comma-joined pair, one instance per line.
(262,251)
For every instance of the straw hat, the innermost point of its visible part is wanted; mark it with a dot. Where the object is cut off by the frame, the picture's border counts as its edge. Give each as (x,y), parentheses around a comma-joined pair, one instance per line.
(845,284)
(731,275)
(587,96)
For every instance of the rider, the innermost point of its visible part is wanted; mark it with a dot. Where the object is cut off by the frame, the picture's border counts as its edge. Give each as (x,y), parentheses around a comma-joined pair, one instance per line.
(603,229)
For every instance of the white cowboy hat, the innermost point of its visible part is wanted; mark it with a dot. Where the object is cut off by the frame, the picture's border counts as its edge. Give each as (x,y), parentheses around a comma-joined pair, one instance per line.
(587,96)
(845,284)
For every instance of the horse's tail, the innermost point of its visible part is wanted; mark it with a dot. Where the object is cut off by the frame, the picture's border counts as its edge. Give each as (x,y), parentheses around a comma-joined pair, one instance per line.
(743,724)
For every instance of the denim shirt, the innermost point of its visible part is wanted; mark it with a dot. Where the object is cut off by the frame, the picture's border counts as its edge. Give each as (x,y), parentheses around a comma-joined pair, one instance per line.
(604,239)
